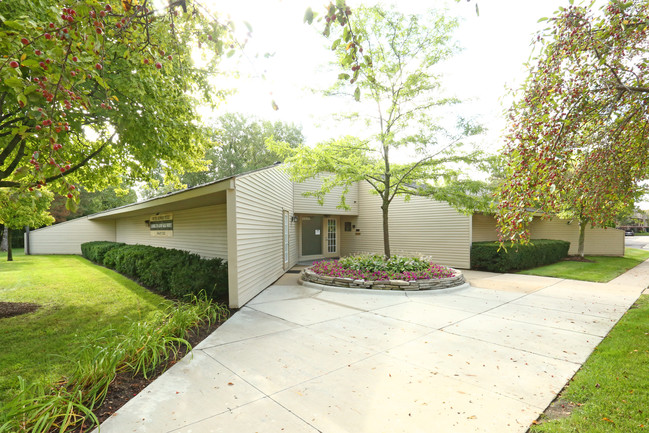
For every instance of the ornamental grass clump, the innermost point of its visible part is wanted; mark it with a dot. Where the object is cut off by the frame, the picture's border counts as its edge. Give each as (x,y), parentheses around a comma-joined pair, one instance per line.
(147,345)
(375,267)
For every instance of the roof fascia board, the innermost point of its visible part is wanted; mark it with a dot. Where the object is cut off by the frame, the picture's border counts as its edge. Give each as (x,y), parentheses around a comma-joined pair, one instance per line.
(181,195)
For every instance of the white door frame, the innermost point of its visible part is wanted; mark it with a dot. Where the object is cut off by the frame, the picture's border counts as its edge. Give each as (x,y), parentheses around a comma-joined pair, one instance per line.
(335,251)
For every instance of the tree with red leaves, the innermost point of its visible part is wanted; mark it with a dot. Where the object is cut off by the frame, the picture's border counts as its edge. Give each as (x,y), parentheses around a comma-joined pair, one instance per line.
(578,137)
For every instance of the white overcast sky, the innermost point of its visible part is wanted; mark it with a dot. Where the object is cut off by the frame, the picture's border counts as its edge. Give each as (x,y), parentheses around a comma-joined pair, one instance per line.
(495,45)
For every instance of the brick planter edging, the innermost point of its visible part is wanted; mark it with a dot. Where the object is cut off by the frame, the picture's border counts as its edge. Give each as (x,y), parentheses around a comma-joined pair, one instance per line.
(442,283)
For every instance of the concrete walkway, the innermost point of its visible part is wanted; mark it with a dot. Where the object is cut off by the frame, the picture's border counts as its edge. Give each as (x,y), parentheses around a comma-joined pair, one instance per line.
(485,358)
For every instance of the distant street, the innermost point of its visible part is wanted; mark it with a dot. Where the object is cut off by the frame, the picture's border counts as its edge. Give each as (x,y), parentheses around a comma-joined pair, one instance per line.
(637,242)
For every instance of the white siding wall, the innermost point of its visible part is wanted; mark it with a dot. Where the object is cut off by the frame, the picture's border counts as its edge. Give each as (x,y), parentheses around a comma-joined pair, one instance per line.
(199,230)
(598,241)
(418,227)
(67,237)
(309,205)
(261,199)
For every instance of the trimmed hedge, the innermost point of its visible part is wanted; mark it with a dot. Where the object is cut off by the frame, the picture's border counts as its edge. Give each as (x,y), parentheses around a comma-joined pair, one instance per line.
(95,251)
(489,256)
(179,273)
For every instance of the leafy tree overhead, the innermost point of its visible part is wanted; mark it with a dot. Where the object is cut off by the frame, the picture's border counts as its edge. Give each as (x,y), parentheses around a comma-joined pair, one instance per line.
(400,81)
(583,195)
(584,104)
(20,209)
(92,92)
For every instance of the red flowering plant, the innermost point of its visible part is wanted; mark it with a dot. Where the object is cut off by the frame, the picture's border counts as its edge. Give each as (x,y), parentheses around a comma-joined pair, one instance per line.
(374,267)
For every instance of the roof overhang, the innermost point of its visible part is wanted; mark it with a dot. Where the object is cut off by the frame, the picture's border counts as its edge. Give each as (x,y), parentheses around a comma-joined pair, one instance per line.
(204,195)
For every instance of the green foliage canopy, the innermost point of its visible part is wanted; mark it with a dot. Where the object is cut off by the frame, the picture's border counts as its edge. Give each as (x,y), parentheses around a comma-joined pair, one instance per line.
(240,146)
(92,92)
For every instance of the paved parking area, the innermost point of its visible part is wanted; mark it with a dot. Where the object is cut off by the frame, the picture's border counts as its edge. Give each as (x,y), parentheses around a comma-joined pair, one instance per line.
(488,357)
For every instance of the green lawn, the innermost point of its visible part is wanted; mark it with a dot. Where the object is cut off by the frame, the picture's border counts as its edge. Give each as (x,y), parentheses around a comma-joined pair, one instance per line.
(78,300)
(601,270)
(611,391)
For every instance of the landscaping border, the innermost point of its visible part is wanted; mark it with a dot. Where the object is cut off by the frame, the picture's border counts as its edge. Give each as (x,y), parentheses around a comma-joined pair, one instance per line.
(400,285)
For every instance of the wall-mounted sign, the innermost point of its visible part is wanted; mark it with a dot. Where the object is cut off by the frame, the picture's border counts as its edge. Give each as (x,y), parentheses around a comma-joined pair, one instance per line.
(162,225)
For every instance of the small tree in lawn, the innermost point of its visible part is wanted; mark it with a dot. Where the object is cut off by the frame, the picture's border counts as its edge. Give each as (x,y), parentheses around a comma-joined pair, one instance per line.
(393,60)
(586,99)
(18,210)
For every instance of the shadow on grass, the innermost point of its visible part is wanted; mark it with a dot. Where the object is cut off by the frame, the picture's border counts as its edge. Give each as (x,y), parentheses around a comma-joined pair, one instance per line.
(16,265)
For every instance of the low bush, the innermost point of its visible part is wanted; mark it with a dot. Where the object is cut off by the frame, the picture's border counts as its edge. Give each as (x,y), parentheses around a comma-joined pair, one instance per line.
(95,251)
(175,272)
(492,257)
(375,267)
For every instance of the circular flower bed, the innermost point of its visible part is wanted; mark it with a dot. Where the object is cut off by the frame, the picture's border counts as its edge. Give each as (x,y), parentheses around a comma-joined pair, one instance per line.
(373,272)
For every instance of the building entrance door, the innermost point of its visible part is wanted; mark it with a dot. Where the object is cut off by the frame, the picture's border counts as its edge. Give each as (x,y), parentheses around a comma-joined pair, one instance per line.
(312,235)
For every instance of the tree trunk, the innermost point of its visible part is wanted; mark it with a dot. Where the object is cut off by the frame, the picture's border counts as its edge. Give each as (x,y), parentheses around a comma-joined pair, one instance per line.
(10,257)
(582,236)
(386,231)
(3,244)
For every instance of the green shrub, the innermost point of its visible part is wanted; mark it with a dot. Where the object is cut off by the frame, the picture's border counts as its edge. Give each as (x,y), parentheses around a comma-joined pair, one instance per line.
(95,251)
(376,263)
(210,275)
(178,273)
(490,256)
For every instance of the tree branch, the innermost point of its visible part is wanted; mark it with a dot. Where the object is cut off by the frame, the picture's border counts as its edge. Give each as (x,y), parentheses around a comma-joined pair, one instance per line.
(7,150)
(83,162)
(19,155)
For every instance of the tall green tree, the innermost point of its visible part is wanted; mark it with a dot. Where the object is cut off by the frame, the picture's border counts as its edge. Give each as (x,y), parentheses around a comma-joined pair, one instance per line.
(587,100)
(240,146)
(399,76)
(20,209)
(94,92)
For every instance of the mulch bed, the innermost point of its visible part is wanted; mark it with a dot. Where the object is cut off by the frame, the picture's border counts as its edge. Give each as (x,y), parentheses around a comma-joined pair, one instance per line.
(11,309)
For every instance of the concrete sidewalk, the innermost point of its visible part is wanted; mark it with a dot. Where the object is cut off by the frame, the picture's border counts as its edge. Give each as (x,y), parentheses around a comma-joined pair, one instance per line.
(485,358)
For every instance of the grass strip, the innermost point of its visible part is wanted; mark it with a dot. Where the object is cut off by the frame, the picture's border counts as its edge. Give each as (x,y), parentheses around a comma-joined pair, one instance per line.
(601,269)
(611,391)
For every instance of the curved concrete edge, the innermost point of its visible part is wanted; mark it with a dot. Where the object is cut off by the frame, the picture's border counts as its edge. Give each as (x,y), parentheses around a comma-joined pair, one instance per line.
(337,289)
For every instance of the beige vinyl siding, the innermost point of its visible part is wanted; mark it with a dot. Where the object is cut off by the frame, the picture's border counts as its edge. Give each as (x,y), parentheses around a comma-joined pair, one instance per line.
(598,241)
(201,230)
(418,227)
(261,199)
(484,228)
(67,237)
(310,205)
